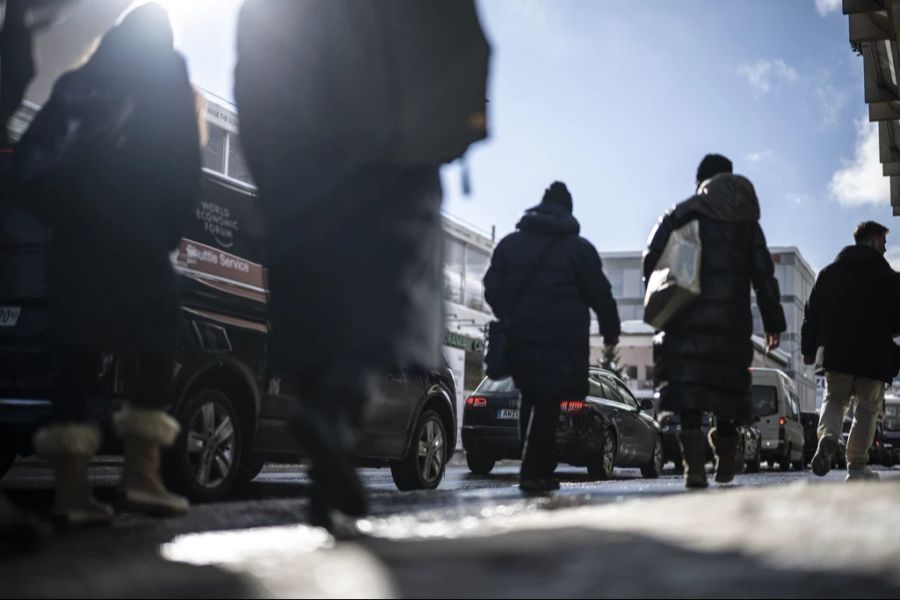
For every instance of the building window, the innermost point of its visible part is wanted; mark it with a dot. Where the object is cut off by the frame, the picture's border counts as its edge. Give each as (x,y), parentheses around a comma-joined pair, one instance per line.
(237,163)
(214,151)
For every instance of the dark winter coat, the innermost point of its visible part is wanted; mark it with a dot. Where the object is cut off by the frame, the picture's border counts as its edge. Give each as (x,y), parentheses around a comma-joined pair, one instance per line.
(117,212)
(702,360)
(853,312)
(354,251)
(550,324)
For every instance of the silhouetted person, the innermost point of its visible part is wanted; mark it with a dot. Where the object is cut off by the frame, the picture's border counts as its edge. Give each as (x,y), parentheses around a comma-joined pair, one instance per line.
(112,164)
(703,360)
(544,279)
(851,318)
(354,235)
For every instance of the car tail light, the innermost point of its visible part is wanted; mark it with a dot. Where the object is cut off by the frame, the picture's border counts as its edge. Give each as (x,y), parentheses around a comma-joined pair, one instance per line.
(573,406)
(476,402)
(781,421)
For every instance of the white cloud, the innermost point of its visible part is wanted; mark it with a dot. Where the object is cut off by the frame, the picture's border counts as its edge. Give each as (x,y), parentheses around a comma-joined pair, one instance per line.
(756,157)
(893,257)
(860,181)
(796,199)
(766,75)
(831,102)
(827,6)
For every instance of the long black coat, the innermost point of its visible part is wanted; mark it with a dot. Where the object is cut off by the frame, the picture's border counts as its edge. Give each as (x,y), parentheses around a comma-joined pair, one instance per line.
(702,360)
(118,215)
(550,336)
(354,251)
(853,312)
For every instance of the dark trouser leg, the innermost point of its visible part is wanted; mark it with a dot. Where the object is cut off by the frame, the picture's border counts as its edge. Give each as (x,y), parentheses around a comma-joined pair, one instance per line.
(539,453)
(525,409)
(331,408)
(73,377)
(153,381)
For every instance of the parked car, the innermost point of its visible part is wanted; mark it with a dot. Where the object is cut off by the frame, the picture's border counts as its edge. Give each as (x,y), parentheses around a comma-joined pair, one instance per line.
(810,423)
(608,429)
(892,425)
(749,448)
(881,452)
(778,409)
(222,384)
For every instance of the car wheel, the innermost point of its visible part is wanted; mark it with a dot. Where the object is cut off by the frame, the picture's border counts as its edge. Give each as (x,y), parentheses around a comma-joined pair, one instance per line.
(601,466)
(205,460)
(426,460)
(785,463)
(250,470)
(653,470)
(754,464)
(479,463)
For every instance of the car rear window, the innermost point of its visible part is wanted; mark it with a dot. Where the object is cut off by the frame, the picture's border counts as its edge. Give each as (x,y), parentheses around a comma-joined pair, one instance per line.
(496,385)
(765,399)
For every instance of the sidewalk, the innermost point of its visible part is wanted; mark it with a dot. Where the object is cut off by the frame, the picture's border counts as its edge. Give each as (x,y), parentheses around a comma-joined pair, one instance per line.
(808,539)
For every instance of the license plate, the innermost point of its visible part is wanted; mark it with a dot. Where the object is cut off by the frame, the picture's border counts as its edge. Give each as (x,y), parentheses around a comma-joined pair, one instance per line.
(9,315)
(508,413)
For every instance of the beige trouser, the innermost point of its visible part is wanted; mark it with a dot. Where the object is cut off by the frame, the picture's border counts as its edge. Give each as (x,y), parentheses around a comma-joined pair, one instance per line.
(840,390)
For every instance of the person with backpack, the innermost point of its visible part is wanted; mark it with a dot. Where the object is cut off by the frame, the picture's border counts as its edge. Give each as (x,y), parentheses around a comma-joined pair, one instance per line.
(347,109)
(542,283)
(703,357)
(112,163)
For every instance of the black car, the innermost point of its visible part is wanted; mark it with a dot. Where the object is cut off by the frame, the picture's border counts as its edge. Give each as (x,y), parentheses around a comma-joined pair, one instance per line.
(749,448)
(221,379)
(607,429)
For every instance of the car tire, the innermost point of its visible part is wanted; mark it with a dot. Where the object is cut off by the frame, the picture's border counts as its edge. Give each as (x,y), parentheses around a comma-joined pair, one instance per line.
(601,466)
(654,468)
(205,461)
(480,464)
(249,470)
(425,462)
(755,463)
(784,463)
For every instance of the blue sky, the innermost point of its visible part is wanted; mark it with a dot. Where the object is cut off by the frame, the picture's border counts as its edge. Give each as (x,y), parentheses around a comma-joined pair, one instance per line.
(620,100)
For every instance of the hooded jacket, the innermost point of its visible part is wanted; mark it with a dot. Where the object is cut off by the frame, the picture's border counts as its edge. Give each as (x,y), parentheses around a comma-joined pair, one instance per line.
(550,320)
(703,357)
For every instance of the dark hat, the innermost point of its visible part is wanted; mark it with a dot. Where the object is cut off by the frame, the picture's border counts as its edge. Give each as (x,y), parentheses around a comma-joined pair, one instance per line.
(559,194)
(713,164)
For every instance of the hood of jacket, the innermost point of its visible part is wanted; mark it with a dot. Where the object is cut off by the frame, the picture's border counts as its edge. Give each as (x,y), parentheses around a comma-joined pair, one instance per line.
(725,197)
(549,219)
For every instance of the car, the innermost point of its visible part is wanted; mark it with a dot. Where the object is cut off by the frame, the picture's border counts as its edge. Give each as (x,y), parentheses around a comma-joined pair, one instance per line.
(607,429)
(881,452)
(810,423)
(892,424)
(748,450)
(233,414)
(778,410)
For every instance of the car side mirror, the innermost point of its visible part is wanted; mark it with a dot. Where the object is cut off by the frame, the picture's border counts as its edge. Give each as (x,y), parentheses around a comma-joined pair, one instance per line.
(647,405)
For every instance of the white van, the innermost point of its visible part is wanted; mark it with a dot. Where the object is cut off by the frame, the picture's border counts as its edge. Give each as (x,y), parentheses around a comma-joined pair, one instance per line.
(778,409)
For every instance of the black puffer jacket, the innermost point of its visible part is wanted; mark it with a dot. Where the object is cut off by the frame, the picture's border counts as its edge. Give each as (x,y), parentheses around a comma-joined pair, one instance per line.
(702,360)
(549,340)
(854,313)
(120,210)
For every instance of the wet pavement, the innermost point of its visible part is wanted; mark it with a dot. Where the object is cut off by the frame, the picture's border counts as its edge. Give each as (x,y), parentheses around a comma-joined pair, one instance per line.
(784,534)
